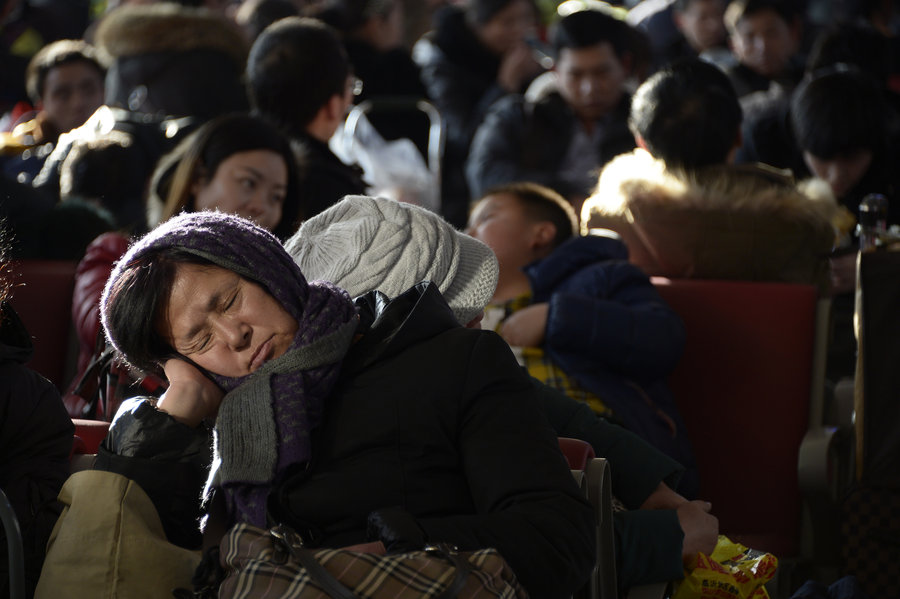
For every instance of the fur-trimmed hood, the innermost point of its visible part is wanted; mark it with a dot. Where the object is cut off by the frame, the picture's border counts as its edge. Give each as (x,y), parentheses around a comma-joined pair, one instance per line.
(171,60)
(733,222)
(168,27)
(637,181)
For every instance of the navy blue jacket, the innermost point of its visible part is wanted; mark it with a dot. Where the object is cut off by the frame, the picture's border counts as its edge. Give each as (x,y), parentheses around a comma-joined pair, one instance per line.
(610,331)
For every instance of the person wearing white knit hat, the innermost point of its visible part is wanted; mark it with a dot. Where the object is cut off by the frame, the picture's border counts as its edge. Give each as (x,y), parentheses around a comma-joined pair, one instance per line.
(363,244)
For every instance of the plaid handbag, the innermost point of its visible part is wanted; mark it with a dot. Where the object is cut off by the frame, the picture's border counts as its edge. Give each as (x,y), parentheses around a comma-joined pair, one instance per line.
(273,563)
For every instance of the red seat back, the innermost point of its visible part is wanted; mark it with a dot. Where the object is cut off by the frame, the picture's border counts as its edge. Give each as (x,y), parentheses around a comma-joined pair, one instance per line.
(89,434)
(42,297)
(743,387)
(578,453)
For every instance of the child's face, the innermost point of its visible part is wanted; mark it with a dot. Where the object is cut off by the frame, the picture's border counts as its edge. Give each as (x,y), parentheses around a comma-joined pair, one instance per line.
(500,222)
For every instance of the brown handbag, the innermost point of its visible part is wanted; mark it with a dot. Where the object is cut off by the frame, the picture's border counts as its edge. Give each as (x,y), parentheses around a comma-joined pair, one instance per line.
(274,563)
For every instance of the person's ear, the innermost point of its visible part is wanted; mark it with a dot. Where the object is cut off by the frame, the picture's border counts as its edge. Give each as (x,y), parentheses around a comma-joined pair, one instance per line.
(336,107)
(543,234)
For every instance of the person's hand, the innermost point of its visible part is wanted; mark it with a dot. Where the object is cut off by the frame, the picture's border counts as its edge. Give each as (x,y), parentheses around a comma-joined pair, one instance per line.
(701,530)
(663,498)
(843,273)
(191,396)
(516,67)
(526,327)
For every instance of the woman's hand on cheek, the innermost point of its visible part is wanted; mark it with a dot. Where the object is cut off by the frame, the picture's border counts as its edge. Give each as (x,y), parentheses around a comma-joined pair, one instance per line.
(191,396)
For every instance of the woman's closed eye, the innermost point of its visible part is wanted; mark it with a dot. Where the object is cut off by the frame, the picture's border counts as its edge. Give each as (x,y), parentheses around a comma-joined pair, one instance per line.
(204,338)
(204,343)
(230,302)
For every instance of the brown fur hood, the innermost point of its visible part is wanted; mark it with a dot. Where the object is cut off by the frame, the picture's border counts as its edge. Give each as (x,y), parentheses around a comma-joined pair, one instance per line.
(723,222)
(636,182)
(168,27)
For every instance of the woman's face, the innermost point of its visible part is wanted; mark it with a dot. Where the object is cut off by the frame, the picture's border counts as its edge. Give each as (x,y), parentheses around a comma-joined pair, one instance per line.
(508,28)
(223,322)
(251,184)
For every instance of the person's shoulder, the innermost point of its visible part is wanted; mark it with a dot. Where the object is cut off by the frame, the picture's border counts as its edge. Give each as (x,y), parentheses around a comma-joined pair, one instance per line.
(576,256)
(26,386)
(509,105)
(507,114)
(33,410)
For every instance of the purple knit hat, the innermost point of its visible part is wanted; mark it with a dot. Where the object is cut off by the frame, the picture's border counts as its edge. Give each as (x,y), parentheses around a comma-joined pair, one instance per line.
(265,419)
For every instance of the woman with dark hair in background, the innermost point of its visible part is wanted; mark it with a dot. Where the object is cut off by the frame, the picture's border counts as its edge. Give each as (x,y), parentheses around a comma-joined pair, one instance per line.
(235,163)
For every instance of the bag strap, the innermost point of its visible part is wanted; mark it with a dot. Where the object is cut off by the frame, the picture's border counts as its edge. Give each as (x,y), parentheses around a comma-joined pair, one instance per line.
(286,537)
(336,590)
(463,568)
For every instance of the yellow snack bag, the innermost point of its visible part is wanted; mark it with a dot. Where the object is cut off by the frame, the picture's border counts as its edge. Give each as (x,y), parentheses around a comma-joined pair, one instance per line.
(731,572)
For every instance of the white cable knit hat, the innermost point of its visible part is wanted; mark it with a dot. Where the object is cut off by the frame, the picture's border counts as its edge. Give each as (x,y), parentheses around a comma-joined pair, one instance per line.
(363,244)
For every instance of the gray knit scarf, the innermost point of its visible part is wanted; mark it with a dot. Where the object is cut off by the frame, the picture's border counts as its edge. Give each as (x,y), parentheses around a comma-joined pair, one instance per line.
(266,417)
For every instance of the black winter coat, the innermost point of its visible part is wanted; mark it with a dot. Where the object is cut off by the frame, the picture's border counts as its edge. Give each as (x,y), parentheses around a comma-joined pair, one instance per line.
(439,421)
(35,441)
(324,179)
(528,141)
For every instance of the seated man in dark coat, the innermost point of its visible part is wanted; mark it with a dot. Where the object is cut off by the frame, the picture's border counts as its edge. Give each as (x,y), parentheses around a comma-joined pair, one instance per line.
(765,37)
(563,136)
(299,78)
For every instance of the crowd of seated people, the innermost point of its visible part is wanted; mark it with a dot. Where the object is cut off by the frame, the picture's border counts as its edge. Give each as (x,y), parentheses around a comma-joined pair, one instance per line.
(175,146)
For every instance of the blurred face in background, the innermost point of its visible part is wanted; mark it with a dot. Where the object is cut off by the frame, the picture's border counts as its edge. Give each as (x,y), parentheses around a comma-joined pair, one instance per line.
(702,24)
(592,79)
(390,27)
(72,92)
(765,43)
(251,184)
(508,28)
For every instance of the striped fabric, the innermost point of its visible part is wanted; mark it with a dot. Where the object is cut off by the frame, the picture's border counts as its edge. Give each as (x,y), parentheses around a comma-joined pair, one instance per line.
(258,567)
(536,361)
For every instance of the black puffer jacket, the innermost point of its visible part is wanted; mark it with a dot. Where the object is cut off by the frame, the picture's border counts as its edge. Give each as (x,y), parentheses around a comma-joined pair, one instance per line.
(521,140)
(439,421)
(35,441)
(324,179)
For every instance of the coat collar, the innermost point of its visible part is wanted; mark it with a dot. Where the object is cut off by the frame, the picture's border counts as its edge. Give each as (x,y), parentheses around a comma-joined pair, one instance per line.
(390,326)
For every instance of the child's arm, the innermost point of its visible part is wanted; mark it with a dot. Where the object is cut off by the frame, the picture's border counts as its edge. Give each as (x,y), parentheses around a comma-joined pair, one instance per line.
(612,315)
(526,327)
